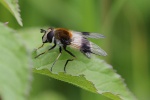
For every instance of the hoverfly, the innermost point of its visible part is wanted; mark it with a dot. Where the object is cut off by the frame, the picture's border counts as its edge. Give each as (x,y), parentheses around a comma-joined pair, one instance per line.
(78,40)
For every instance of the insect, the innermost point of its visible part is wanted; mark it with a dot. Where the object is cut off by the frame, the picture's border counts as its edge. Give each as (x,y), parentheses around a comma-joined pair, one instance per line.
(78,40)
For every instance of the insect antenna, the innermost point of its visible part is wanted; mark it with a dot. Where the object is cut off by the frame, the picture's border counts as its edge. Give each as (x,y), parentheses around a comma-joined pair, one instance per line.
(43,31)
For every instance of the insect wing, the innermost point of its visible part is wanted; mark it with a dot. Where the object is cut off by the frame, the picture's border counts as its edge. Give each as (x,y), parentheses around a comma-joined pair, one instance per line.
(90,48)
(89,35)
(86,47)
(95,49)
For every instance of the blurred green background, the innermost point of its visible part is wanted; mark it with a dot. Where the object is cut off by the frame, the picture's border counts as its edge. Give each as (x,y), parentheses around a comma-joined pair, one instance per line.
(125,23)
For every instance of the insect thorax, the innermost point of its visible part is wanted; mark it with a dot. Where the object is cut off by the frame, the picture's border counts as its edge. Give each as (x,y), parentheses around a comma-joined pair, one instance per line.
(63,35)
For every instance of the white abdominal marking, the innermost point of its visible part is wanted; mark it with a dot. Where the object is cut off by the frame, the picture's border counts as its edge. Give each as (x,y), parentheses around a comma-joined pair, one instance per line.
(76,41)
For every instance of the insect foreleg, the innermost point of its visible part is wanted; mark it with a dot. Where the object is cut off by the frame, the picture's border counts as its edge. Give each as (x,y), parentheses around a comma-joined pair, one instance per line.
(40,46)
(46,51)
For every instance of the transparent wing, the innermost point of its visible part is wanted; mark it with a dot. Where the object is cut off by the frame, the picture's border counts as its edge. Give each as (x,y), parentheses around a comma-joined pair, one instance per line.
(85,46)
(89,35)
(95,49)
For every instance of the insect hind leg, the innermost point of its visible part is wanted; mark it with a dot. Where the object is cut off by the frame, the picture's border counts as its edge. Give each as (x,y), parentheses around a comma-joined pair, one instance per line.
(64,46)
(67,63)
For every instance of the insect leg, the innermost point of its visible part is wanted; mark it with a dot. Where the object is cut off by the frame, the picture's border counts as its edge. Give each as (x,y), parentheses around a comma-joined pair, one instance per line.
(60,52)
(68,51)
(40,46)
(42,31)
(46,51)
(67,63)
(68,59)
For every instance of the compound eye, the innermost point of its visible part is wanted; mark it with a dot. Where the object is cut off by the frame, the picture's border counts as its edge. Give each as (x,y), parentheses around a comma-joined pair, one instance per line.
(50,36)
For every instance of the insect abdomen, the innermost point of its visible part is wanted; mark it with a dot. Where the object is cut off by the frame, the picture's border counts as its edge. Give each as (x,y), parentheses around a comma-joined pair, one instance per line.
(85,47)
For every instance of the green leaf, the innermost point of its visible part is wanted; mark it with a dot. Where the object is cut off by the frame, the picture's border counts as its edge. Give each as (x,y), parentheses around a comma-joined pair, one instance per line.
(50,95)
(93,74)
(13,7)
(15,72)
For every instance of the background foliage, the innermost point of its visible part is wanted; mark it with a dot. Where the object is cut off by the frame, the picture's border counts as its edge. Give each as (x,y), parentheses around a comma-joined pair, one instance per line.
(125,24)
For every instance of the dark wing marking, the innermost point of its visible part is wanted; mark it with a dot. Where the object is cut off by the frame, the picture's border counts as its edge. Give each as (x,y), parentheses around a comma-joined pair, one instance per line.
(89,35)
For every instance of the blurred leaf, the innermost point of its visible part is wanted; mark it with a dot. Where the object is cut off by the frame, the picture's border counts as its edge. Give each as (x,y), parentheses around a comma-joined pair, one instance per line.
(94,74)
(13,7)
(48,96)
(15,73)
